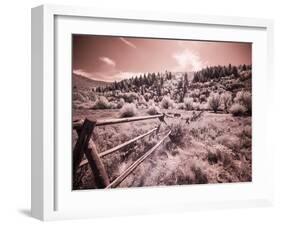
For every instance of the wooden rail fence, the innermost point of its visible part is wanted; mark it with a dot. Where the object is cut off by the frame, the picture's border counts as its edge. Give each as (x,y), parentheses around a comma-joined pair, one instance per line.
(86,146)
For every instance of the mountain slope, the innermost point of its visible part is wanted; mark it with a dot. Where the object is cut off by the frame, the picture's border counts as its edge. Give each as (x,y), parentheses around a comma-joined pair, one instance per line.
(81,82)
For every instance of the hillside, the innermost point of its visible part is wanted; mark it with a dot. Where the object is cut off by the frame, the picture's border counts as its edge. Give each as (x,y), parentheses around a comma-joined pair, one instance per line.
(81,83)
(180,85)
(208,113)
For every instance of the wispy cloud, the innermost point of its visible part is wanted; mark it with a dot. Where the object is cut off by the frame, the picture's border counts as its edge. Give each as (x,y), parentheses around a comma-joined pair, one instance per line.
(108,61)
(92,75)
(82,73)
(188,60)
(132,45)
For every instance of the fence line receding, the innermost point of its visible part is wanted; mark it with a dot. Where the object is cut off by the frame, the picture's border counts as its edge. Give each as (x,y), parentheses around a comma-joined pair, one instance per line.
(86,146)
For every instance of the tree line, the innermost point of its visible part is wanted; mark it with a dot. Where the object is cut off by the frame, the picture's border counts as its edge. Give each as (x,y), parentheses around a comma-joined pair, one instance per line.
(219,71)
(155,81)
(138,83)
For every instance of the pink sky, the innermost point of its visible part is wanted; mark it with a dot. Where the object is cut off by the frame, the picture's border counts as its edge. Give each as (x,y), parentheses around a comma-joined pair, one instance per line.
(110,58)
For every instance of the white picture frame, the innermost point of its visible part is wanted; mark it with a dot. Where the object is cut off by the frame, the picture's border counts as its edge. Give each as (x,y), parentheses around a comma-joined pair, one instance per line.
(52,197)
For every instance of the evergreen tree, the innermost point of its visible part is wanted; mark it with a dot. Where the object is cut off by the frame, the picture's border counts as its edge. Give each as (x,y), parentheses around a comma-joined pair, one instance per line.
(162,81)
(170,75)
(180,84)
(186,78)
(229,71)
(235,71)
(140,80)
(136,82)
(145,80)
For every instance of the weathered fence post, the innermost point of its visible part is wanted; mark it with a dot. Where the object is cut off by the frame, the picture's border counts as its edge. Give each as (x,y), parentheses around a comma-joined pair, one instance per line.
(100,175)
(85,145)
(84,135)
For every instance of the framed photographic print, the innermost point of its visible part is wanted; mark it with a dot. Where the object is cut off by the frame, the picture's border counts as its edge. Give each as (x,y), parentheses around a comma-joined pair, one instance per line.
(153,112)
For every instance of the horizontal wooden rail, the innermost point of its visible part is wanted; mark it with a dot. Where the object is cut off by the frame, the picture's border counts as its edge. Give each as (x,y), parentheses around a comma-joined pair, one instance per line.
(120,146)
(104,122)
(131,168)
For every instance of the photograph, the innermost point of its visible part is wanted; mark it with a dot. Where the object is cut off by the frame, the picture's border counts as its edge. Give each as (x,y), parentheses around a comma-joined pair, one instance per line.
(159,112)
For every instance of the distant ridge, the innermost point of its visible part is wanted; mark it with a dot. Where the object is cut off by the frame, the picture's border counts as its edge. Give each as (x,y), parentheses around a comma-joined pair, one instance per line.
(82,82)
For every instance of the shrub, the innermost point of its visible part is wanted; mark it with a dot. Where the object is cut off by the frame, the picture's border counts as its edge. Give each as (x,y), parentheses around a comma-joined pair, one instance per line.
(226,160)
(113,105)
(121,103)
(92,96)
(195,93)
(202,98)
(129,97)
(203,106)
(128,110)
(196,106)
(224,157)
(78,96)
(226,99)
(247,131)
(231,142)
(244,75)
(199,174)
(178,132)
(167,103)
(101,103)
(214,101)
(147,96)
(180,106)
(244,98)
(212,157)
(219,156)
(142,100)
(237,109)
(153,110)
(188,103)
(150,103)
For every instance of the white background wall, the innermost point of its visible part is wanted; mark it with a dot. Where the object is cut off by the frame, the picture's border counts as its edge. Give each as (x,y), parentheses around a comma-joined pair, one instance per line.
(15,112)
